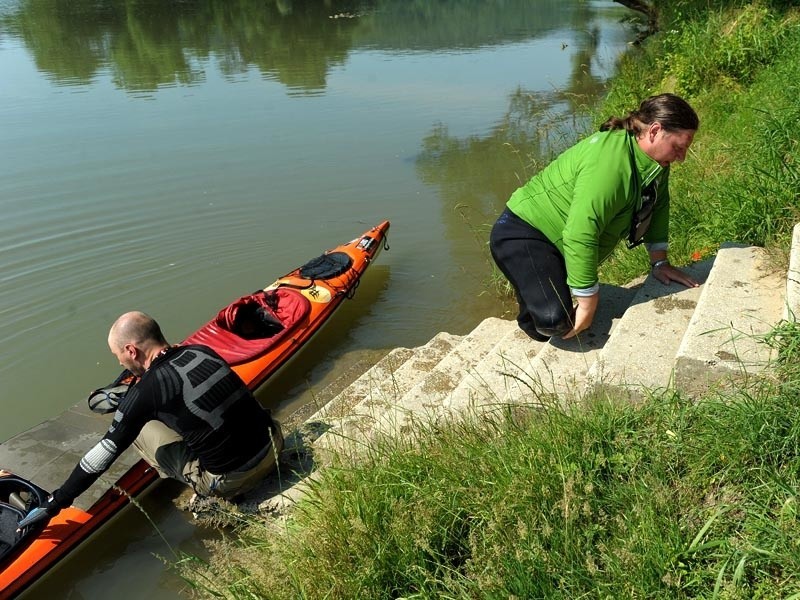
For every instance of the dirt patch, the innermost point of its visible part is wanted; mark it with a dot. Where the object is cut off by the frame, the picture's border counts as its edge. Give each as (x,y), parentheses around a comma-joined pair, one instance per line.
(668,303)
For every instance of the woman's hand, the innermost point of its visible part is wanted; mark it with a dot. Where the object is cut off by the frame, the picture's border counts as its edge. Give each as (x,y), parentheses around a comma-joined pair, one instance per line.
(584,314)
(665,273)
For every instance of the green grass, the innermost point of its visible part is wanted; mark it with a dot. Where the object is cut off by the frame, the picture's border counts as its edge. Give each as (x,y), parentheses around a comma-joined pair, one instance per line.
(672,498)
(668,499)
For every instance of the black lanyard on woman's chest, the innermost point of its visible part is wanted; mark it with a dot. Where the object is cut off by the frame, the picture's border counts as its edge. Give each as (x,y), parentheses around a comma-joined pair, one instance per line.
(642,217)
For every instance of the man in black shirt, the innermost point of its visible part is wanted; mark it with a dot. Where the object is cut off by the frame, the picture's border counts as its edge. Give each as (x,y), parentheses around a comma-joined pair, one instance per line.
(189,415)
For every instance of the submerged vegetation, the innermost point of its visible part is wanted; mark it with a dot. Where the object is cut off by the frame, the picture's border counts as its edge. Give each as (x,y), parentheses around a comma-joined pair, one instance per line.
(671,498)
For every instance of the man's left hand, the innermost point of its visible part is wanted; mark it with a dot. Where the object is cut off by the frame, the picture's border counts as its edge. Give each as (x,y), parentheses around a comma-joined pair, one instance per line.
(39,514)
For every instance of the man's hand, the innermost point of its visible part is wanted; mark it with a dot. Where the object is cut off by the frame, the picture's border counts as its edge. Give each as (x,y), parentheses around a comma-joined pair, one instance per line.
(39,514)
(584,314)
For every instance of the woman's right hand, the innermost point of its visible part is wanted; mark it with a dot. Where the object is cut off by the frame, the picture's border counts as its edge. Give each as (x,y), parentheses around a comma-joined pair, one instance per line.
(584,314)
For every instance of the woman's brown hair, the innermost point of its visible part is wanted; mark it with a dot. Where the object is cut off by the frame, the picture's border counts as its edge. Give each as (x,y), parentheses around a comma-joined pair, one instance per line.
(673,112)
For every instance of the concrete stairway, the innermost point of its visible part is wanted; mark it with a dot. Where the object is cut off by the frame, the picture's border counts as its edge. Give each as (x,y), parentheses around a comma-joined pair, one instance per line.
(645,337)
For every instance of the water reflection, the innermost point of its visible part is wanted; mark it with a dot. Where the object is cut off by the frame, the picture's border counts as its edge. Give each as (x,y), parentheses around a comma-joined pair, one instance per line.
(476,174)
(148,44)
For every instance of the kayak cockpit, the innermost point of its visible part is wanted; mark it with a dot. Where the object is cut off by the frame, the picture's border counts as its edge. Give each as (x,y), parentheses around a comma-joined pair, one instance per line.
(17,498)
(253,324)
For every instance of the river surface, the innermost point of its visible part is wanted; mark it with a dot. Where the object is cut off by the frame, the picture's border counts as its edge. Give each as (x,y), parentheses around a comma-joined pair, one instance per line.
(170,156)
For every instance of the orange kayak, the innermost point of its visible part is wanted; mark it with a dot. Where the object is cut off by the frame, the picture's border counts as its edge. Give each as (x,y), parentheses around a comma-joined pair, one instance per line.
(256,335)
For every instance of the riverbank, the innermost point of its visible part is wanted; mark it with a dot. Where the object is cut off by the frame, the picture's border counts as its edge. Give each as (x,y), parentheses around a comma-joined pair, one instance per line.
(615,498)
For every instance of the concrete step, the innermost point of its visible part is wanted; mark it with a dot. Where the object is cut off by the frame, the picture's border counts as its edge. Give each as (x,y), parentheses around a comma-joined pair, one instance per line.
(47,454)
(741,300)
(426,398)
(520,370)
(356,409)
(632,345)
(792,308)
(503,376)
(343,403)
(324,389)
(641,353)
(561,368)
(422,362)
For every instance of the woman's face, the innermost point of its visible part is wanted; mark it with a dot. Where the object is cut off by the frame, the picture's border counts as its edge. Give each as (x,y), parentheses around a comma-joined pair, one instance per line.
(666,147)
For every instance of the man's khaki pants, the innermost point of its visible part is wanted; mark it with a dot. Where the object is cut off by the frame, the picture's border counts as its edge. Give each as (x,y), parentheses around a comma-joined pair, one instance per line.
(166,451)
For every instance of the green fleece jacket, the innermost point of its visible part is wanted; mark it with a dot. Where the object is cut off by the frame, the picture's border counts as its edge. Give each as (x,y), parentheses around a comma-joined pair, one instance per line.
(584,201)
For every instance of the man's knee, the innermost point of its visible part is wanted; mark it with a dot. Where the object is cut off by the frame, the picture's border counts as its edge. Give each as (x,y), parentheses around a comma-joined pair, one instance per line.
(171,460)
(163,449)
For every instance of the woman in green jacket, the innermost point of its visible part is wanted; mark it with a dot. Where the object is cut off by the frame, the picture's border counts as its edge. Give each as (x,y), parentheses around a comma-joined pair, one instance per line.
(568,218)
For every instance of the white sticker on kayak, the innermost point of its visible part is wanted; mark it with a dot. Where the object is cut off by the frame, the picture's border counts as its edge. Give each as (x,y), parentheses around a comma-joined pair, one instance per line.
(317,294)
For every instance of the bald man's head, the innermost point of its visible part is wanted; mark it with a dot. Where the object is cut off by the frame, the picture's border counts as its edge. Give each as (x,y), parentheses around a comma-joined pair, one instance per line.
(135,328)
